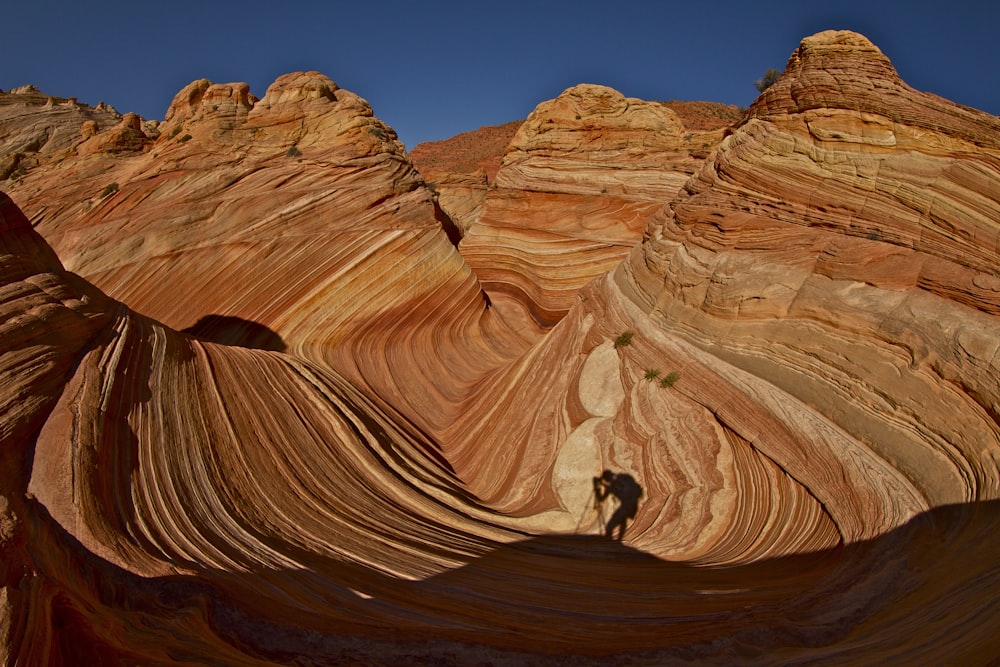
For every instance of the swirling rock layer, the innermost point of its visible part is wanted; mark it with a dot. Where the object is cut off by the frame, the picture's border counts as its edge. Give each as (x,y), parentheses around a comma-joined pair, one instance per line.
(576,187)
(354,456)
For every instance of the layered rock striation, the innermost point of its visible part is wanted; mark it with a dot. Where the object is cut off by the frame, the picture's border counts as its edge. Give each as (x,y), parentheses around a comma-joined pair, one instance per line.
(828,251)
(578,184)
(36,128)
(370,447)
(299,213)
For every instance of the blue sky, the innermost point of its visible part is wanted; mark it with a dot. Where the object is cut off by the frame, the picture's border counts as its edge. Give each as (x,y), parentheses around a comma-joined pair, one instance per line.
(434,69)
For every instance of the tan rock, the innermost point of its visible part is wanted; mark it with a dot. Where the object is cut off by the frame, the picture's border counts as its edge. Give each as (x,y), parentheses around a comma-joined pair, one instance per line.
(591,140)
(818,283)
(234,199)
(42,127)
(578,184)
(125,137)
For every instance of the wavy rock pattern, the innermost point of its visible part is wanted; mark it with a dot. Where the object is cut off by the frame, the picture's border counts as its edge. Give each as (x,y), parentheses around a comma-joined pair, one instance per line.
(850,282)
(577,185)
(298,212)
(36,128)
(807,394)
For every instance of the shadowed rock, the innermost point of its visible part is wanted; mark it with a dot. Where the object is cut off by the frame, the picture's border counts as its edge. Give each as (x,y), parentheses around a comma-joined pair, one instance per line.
(235,331)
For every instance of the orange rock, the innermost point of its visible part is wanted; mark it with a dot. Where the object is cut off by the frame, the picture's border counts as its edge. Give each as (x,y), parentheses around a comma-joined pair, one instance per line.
(579,182)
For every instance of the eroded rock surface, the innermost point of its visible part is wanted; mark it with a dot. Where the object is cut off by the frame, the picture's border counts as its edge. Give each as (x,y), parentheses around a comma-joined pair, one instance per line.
(353,455)
(36,128)
(298,212)
(461,169)
(579,182)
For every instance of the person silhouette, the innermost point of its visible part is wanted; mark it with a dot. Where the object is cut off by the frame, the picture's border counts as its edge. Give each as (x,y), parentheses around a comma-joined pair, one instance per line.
(624,487)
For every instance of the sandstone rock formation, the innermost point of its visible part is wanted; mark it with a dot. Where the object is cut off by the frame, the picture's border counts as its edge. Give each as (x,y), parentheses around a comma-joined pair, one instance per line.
(298,212)
(578,184)
(461,169)
(35,127)
(355,456)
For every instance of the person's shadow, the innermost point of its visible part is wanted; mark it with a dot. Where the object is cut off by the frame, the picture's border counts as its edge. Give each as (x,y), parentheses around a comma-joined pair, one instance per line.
(628,491)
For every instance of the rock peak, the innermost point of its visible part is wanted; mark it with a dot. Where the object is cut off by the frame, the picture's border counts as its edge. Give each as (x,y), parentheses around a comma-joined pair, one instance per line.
(841,50)
(597,119)
(204,98)
(839,40)
(843,70)
(824,71)
(594,90)
(300,87)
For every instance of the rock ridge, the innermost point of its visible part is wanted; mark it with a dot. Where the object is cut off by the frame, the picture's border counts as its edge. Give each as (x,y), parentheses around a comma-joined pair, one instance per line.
(843,69)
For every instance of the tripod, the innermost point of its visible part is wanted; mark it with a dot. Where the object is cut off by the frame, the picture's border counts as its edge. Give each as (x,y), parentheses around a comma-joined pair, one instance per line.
(598,504)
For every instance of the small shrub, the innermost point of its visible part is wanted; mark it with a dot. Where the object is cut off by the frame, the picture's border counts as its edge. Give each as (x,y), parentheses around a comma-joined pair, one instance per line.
(378,132)
(293,151)
(623,339)
(652,374)
(669,380)
(174,132)
(770,77)
(109,190)
(186,137)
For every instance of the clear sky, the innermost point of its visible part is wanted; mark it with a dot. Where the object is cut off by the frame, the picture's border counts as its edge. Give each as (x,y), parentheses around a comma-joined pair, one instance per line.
(434,69)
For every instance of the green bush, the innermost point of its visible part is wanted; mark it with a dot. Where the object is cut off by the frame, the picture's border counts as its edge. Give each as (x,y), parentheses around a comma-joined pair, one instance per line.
(670,379)
(623,339)
(768,80)
(378,132)
(109,190)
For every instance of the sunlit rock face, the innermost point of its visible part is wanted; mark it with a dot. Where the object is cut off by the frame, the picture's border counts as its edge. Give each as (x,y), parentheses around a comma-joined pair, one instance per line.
(461,169)
(298,212)
(577,185)
(36,127)
(277,421)
(843,254)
